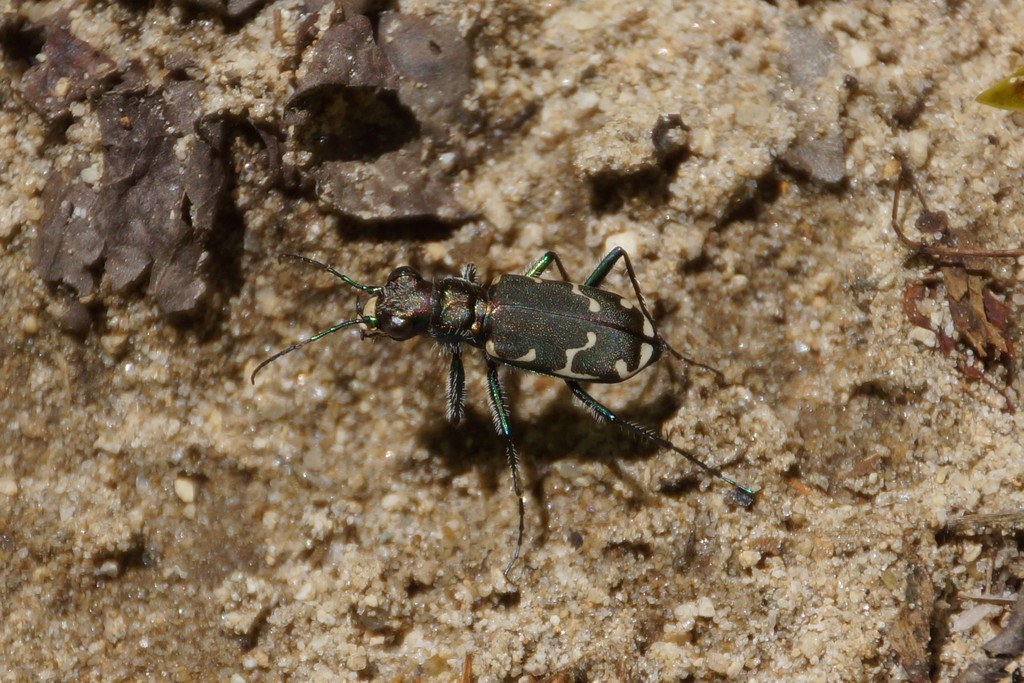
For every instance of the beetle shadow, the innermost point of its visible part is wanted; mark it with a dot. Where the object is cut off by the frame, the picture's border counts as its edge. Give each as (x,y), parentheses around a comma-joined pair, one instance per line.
(563,430)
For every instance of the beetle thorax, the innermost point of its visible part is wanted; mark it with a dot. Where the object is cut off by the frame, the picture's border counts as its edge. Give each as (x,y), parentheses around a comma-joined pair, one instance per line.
(459,311)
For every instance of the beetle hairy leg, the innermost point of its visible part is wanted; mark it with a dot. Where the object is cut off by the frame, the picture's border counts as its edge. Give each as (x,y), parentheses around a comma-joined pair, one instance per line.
(456,386)
(602,413)
(501,423)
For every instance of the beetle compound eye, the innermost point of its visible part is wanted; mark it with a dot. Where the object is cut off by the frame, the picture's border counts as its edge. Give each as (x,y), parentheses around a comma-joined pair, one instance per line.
(398,327)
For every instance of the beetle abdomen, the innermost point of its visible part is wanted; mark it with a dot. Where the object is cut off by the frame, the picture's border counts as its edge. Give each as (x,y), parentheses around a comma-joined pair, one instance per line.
(568,330)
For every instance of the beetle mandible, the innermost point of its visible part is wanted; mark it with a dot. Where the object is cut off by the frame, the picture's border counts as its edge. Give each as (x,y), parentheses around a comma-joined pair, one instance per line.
(575,332)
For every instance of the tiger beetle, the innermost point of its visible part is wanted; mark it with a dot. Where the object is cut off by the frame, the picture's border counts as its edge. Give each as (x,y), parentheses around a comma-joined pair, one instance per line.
(575,332)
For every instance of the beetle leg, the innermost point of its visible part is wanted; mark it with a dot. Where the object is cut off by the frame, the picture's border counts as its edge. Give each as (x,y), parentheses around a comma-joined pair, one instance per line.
(601,272)
(456,386)
(600,412)
(499,412)
(605,267)
(543,263)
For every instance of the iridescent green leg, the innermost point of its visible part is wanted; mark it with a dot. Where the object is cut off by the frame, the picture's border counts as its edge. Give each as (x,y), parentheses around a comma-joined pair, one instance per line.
(605,267)
(543,263)
(499,413)
(601,272)
(600,412)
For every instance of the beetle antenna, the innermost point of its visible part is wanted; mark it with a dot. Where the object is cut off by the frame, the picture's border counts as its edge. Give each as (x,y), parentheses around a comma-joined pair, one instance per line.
(369,320)
(686,359)
(369,289)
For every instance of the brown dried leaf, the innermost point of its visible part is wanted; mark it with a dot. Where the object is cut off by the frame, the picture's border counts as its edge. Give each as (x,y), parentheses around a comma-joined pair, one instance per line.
(164,177)
(435,65)
(382,162)
(396,186)
(71,71)
(346,57)
(980,319)
(1000,651)
(967,295)
(955,278)
(911,296)
(69,244)
(910,634)
(997,314)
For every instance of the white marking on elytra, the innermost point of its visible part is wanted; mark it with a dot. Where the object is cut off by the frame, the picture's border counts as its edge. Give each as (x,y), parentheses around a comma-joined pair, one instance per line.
(648,330)
(570,354)
(495,280)
(622,369)
(527,357)
(592,304)
(489,348)
(627,304)
(646,351)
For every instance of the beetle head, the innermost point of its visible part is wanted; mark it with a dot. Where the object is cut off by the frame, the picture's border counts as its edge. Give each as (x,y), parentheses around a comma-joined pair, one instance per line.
(401,309)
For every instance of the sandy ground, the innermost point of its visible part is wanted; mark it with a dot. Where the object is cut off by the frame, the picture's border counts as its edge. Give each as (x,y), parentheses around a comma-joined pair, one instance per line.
(160,517)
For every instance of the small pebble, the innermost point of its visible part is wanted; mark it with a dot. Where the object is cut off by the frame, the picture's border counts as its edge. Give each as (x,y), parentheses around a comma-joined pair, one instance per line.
(749,558)
(306,592)
(109,569)
(918,144)
(185,489)
(860,55)
(30,324)
(114,344)
(392,501)
(923,336)
(357,662)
